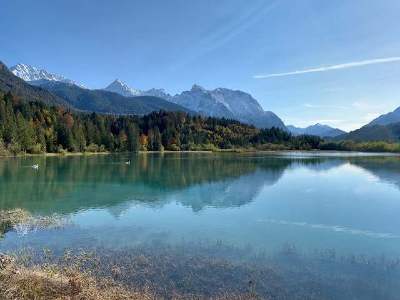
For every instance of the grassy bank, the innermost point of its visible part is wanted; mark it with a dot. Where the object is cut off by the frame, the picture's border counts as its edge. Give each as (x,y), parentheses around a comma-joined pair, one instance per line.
(265,150)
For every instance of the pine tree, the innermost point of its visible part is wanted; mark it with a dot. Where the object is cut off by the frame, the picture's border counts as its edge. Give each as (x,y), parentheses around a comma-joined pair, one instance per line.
(133,138)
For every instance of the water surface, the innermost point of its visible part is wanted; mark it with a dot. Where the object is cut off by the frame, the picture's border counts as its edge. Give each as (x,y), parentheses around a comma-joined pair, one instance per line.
(347,203)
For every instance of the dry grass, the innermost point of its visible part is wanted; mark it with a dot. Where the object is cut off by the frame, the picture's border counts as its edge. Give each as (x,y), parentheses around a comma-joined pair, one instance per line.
(11,218)
(53,282)
(22,221)
(73,279)
(17,282)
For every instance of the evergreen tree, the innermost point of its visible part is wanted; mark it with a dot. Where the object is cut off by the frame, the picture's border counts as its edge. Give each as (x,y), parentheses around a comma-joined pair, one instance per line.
(35,127)
(133,137)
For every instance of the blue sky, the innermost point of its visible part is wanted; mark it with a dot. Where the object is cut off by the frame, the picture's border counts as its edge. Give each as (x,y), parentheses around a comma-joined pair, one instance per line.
(334,62)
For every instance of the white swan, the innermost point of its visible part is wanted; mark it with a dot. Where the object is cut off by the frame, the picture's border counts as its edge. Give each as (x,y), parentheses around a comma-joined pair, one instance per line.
(36,166)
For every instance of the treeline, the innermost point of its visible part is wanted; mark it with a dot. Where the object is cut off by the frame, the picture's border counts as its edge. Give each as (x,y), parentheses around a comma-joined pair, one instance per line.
(371,146)
(35,127)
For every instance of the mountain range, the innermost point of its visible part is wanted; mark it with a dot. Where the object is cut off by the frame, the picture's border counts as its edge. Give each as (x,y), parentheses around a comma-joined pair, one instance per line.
(30,73)
(120,87)
(317,129)
(119,98)
(24,91)
(102,101)
(221,102)
(66,94)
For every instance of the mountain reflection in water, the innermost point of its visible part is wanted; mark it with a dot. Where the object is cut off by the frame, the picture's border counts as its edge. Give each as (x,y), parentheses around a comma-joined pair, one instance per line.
(70,184)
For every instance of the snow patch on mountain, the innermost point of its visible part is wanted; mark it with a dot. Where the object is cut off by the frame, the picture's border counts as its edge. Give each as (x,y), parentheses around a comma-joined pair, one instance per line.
(220,103)
(120,87)
(31,73)
(226,103)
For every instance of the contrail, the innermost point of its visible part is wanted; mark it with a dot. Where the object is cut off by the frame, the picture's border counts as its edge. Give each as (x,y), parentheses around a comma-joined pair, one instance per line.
(332,67)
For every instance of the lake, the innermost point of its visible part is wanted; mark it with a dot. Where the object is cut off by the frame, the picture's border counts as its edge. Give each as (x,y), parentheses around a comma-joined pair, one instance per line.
(263,203)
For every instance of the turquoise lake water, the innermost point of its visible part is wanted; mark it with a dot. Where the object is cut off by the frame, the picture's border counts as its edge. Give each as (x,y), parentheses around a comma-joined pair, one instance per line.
(349,203)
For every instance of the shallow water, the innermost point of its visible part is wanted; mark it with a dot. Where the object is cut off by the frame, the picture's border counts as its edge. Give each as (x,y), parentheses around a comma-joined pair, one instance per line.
(347,203)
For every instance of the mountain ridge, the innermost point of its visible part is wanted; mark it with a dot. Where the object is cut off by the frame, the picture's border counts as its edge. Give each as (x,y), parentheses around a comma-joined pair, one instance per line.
(31,73)
(119,87)
(102,101)
(227,103)
(220,102)
(371,133)
(9,83)
(386,119)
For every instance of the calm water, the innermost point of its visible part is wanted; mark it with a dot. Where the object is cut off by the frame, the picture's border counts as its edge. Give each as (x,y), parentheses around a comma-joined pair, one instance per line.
(351,204)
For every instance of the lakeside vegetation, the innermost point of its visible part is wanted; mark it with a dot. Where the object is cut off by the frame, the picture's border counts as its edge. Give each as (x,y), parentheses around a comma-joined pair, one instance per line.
(36,128)
(372,146)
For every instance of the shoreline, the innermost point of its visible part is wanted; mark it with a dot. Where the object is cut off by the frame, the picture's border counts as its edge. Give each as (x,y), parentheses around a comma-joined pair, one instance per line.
(315,152)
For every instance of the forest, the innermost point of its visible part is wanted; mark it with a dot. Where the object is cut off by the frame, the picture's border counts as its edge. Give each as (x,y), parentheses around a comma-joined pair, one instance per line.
(35,127)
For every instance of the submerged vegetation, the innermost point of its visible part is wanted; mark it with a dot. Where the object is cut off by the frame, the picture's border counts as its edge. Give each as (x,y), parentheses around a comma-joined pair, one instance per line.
(22,221)
(71,281)
(18,282)
(196,271)
(190,270)
(11,218)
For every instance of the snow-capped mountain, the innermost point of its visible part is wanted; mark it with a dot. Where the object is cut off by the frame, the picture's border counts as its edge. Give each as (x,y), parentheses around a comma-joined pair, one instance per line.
(317,129)
(119,87)
(30,73)
(222,102)
(157,93)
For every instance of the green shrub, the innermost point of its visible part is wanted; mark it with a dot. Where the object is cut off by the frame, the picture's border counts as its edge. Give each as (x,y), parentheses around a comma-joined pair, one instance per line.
(92,148)
(37,149)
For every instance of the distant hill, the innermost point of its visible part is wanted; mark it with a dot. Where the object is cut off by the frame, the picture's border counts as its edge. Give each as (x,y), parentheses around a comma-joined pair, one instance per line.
(317,129)
(390,133)
(24,91)
(389,118)
(106,102)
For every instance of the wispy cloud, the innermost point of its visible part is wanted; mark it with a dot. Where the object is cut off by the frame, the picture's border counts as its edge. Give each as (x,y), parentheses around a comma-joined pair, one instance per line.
(367,106)
(327,121)
(308,122)
(332,67)
(310,105)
